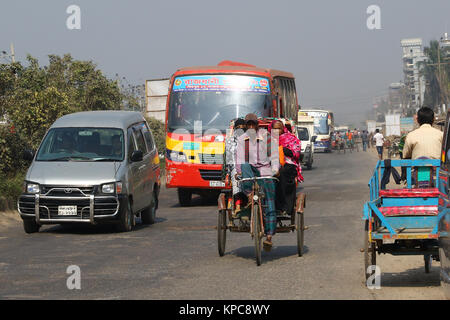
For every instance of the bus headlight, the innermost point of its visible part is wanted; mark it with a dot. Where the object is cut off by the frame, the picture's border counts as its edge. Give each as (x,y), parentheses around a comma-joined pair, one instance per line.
(176,156)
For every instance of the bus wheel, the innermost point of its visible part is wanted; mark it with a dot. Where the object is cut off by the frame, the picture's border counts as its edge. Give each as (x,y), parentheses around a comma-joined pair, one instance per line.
(184,197)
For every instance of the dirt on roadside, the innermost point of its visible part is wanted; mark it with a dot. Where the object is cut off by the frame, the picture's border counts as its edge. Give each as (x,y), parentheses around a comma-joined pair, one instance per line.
(9,218)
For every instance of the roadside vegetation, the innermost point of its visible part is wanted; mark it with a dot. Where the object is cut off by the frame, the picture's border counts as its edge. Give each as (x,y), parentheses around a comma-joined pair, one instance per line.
(32,97)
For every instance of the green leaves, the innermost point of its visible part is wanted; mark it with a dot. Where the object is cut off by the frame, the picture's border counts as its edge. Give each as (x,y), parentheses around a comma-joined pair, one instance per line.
(33,97)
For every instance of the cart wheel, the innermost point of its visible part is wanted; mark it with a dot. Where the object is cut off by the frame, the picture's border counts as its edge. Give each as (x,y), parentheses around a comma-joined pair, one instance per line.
(257,234)
(222,231)
(428,260)
(370,258)
(300,233)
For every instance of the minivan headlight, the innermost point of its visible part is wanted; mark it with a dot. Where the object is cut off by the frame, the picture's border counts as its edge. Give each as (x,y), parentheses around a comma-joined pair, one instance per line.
(32,188)
(109,188)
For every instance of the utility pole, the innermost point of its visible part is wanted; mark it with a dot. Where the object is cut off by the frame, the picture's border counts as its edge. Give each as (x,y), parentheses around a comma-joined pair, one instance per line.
(13,56)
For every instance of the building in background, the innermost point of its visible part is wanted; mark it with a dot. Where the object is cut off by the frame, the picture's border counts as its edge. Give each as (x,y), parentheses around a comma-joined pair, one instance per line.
(397,97)
(156,92)
(414,82)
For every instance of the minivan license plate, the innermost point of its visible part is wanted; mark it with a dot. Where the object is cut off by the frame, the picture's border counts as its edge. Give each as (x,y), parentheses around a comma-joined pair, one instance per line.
(67,210)
(216,184)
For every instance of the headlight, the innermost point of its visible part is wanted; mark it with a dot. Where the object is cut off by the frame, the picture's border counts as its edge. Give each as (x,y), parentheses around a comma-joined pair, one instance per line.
(109,188)
(33,188)
(176,156)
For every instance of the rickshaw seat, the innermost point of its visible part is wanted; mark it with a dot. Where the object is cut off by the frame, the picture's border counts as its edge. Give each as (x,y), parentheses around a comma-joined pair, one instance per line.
(410,193)
(409,211)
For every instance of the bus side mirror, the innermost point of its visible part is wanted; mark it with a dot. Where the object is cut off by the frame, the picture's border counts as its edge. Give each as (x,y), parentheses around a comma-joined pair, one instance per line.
(314,138)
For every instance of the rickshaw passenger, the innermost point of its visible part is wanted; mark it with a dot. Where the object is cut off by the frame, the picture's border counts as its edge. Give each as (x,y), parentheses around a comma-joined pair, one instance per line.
(230,156)
(291,146)
(253,160)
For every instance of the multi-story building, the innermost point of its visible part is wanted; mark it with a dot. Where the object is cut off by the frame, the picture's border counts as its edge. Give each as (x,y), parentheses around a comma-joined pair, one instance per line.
(414,82)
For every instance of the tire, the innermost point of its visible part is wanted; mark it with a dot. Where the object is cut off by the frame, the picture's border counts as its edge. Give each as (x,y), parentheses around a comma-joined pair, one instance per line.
(125,223)
(148,216)
(300,223)
(222,231)
(30,226)
(257,234)
(370,257)
(184,197)
(428,259)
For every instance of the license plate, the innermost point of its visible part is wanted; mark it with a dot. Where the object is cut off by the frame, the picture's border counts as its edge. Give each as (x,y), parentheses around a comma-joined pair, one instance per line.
(67,210)
(217,184)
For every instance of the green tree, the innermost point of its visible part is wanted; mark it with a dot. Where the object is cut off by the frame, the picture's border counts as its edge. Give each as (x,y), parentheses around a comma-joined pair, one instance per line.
(158,130)
(436,91)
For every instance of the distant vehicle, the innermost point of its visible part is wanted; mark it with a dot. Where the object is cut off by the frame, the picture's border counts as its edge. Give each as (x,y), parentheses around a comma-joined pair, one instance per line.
(323,128)
(201,103)
(305,133)
(92,167)
(444,223)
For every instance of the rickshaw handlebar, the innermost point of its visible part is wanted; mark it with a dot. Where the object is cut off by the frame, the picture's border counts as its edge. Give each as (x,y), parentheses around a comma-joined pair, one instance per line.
(257,178)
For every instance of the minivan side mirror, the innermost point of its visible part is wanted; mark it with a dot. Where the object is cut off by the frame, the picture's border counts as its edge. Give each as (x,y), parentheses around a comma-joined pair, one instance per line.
(28,155)
(137,156)
(314,138)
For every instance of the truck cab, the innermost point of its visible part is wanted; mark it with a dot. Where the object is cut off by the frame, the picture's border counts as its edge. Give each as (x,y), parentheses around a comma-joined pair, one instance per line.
(305,131)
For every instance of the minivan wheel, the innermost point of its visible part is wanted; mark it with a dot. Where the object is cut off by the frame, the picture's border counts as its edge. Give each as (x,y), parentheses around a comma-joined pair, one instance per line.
(184,197)
(30,226)
(148,216)
(126,219)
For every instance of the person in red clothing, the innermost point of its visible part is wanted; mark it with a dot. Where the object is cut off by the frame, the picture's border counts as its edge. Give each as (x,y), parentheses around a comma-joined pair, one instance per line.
(291,170)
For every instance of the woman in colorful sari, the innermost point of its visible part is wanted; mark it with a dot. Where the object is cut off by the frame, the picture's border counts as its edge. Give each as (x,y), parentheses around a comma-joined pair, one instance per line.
(291,171)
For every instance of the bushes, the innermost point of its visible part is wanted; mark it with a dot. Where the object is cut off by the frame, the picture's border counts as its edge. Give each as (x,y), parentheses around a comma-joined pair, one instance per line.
(159,133)
(10,190)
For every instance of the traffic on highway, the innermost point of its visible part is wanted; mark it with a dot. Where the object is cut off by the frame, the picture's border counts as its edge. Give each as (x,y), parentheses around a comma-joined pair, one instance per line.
(258,177)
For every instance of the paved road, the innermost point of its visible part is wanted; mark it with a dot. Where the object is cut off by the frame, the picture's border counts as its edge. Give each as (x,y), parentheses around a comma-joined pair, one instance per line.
(177,257)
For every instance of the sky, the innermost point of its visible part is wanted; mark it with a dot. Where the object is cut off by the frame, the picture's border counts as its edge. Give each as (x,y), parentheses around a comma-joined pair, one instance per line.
(339,64)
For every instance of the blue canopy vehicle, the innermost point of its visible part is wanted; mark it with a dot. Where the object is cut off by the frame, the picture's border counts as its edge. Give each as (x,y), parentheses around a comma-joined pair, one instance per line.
(404,221)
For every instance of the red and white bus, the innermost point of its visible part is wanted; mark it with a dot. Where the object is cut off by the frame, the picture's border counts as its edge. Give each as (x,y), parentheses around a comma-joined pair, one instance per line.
(201,103)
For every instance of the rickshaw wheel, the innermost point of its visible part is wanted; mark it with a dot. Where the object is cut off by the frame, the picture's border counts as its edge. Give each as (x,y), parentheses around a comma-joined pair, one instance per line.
(257,234)
(222,231)
(428,260)
(370,258)
(300,233)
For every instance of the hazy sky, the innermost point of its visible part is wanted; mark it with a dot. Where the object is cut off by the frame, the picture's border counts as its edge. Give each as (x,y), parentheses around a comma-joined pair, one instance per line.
(338,62)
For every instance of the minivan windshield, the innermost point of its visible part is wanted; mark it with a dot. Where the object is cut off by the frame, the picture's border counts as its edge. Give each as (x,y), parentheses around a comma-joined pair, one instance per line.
(82,144)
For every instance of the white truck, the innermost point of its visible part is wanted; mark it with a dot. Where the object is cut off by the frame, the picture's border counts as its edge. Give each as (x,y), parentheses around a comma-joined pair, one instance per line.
(305,133)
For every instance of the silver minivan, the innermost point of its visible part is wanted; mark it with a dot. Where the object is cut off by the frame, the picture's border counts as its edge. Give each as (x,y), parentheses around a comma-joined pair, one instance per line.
(92,167)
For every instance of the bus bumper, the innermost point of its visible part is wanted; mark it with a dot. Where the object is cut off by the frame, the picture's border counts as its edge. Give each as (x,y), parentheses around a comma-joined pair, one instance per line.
(194,176)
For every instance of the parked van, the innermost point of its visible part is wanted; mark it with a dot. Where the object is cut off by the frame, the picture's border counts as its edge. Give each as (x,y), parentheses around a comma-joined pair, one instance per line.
(92,167)
(305,135)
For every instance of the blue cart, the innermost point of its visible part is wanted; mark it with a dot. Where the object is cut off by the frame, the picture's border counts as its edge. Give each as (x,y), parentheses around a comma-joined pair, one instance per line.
(403,221)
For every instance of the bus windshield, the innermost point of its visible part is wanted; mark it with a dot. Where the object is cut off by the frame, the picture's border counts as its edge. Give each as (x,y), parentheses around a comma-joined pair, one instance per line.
(216,100)
(321,126)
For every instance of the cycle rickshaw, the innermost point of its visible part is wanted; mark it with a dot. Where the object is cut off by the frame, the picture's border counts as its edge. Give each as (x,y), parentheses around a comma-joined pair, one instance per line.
(253,221)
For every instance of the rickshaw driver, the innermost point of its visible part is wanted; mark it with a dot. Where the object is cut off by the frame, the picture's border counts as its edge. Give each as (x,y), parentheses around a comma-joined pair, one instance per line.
(253,160)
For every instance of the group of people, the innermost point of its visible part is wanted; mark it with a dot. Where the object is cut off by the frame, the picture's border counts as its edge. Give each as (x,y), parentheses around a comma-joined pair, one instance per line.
(349,138)
(424,142)
(251,151)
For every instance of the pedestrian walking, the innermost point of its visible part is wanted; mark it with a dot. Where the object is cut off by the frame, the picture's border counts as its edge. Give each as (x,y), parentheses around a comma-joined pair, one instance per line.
(365,140)
(379,142)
